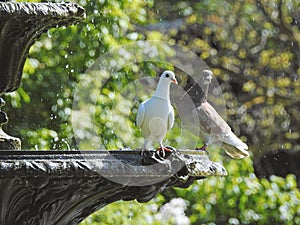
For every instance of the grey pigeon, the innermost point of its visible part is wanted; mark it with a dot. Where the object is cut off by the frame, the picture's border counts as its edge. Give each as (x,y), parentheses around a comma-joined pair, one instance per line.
(155,116)
(214,128)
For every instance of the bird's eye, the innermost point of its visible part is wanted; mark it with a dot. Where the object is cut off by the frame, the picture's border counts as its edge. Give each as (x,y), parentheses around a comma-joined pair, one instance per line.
(167,75)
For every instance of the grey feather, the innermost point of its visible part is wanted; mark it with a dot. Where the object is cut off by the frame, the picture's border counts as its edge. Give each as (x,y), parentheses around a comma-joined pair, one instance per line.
(214,128)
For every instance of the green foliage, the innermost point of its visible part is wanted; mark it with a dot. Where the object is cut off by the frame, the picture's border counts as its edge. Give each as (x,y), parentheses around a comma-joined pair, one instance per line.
(125,213)
(43,105)
(253,49)
(242,198)
(251,46)
(239,198)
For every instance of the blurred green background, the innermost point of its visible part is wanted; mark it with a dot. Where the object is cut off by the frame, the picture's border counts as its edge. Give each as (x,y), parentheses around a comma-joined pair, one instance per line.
(253,48)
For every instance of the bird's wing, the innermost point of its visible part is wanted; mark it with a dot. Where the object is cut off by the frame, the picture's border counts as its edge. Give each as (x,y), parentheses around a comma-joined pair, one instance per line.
(211,121)
(171,118)
(140,115)
(218,129)
(200,119)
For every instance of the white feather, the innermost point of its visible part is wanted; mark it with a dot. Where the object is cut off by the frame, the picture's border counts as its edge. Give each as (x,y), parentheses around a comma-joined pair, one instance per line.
(156,115)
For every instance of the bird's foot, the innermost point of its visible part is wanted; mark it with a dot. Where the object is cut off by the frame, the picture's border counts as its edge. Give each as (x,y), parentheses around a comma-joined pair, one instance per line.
(144,152)
(166,149)
(203,148)
(163,150)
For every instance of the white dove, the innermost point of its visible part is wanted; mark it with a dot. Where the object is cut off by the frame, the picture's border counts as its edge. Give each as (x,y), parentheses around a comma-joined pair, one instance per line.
(213,128)
(155,116)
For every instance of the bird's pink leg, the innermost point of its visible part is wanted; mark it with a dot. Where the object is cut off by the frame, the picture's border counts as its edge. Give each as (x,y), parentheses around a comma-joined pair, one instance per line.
(203,148)
(164,150)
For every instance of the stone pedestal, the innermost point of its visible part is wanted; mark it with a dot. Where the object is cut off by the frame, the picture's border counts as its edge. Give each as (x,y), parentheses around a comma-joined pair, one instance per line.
(64,187)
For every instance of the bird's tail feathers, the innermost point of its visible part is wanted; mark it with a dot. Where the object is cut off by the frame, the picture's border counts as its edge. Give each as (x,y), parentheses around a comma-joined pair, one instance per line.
(232,139)
(238,149)
(235,152)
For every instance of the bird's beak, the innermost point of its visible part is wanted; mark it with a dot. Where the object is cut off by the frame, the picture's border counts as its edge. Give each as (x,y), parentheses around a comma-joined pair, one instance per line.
(174,81)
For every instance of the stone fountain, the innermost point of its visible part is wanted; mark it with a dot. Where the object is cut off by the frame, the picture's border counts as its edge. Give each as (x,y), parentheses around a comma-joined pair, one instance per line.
(64,187)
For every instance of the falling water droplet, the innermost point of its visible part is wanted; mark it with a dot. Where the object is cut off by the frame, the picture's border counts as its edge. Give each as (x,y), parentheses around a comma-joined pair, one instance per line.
(67,144)
(49,35)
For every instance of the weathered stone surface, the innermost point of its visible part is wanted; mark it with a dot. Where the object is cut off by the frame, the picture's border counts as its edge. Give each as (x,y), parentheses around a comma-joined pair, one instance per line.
(7,142)
(64,187)
(20,24)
